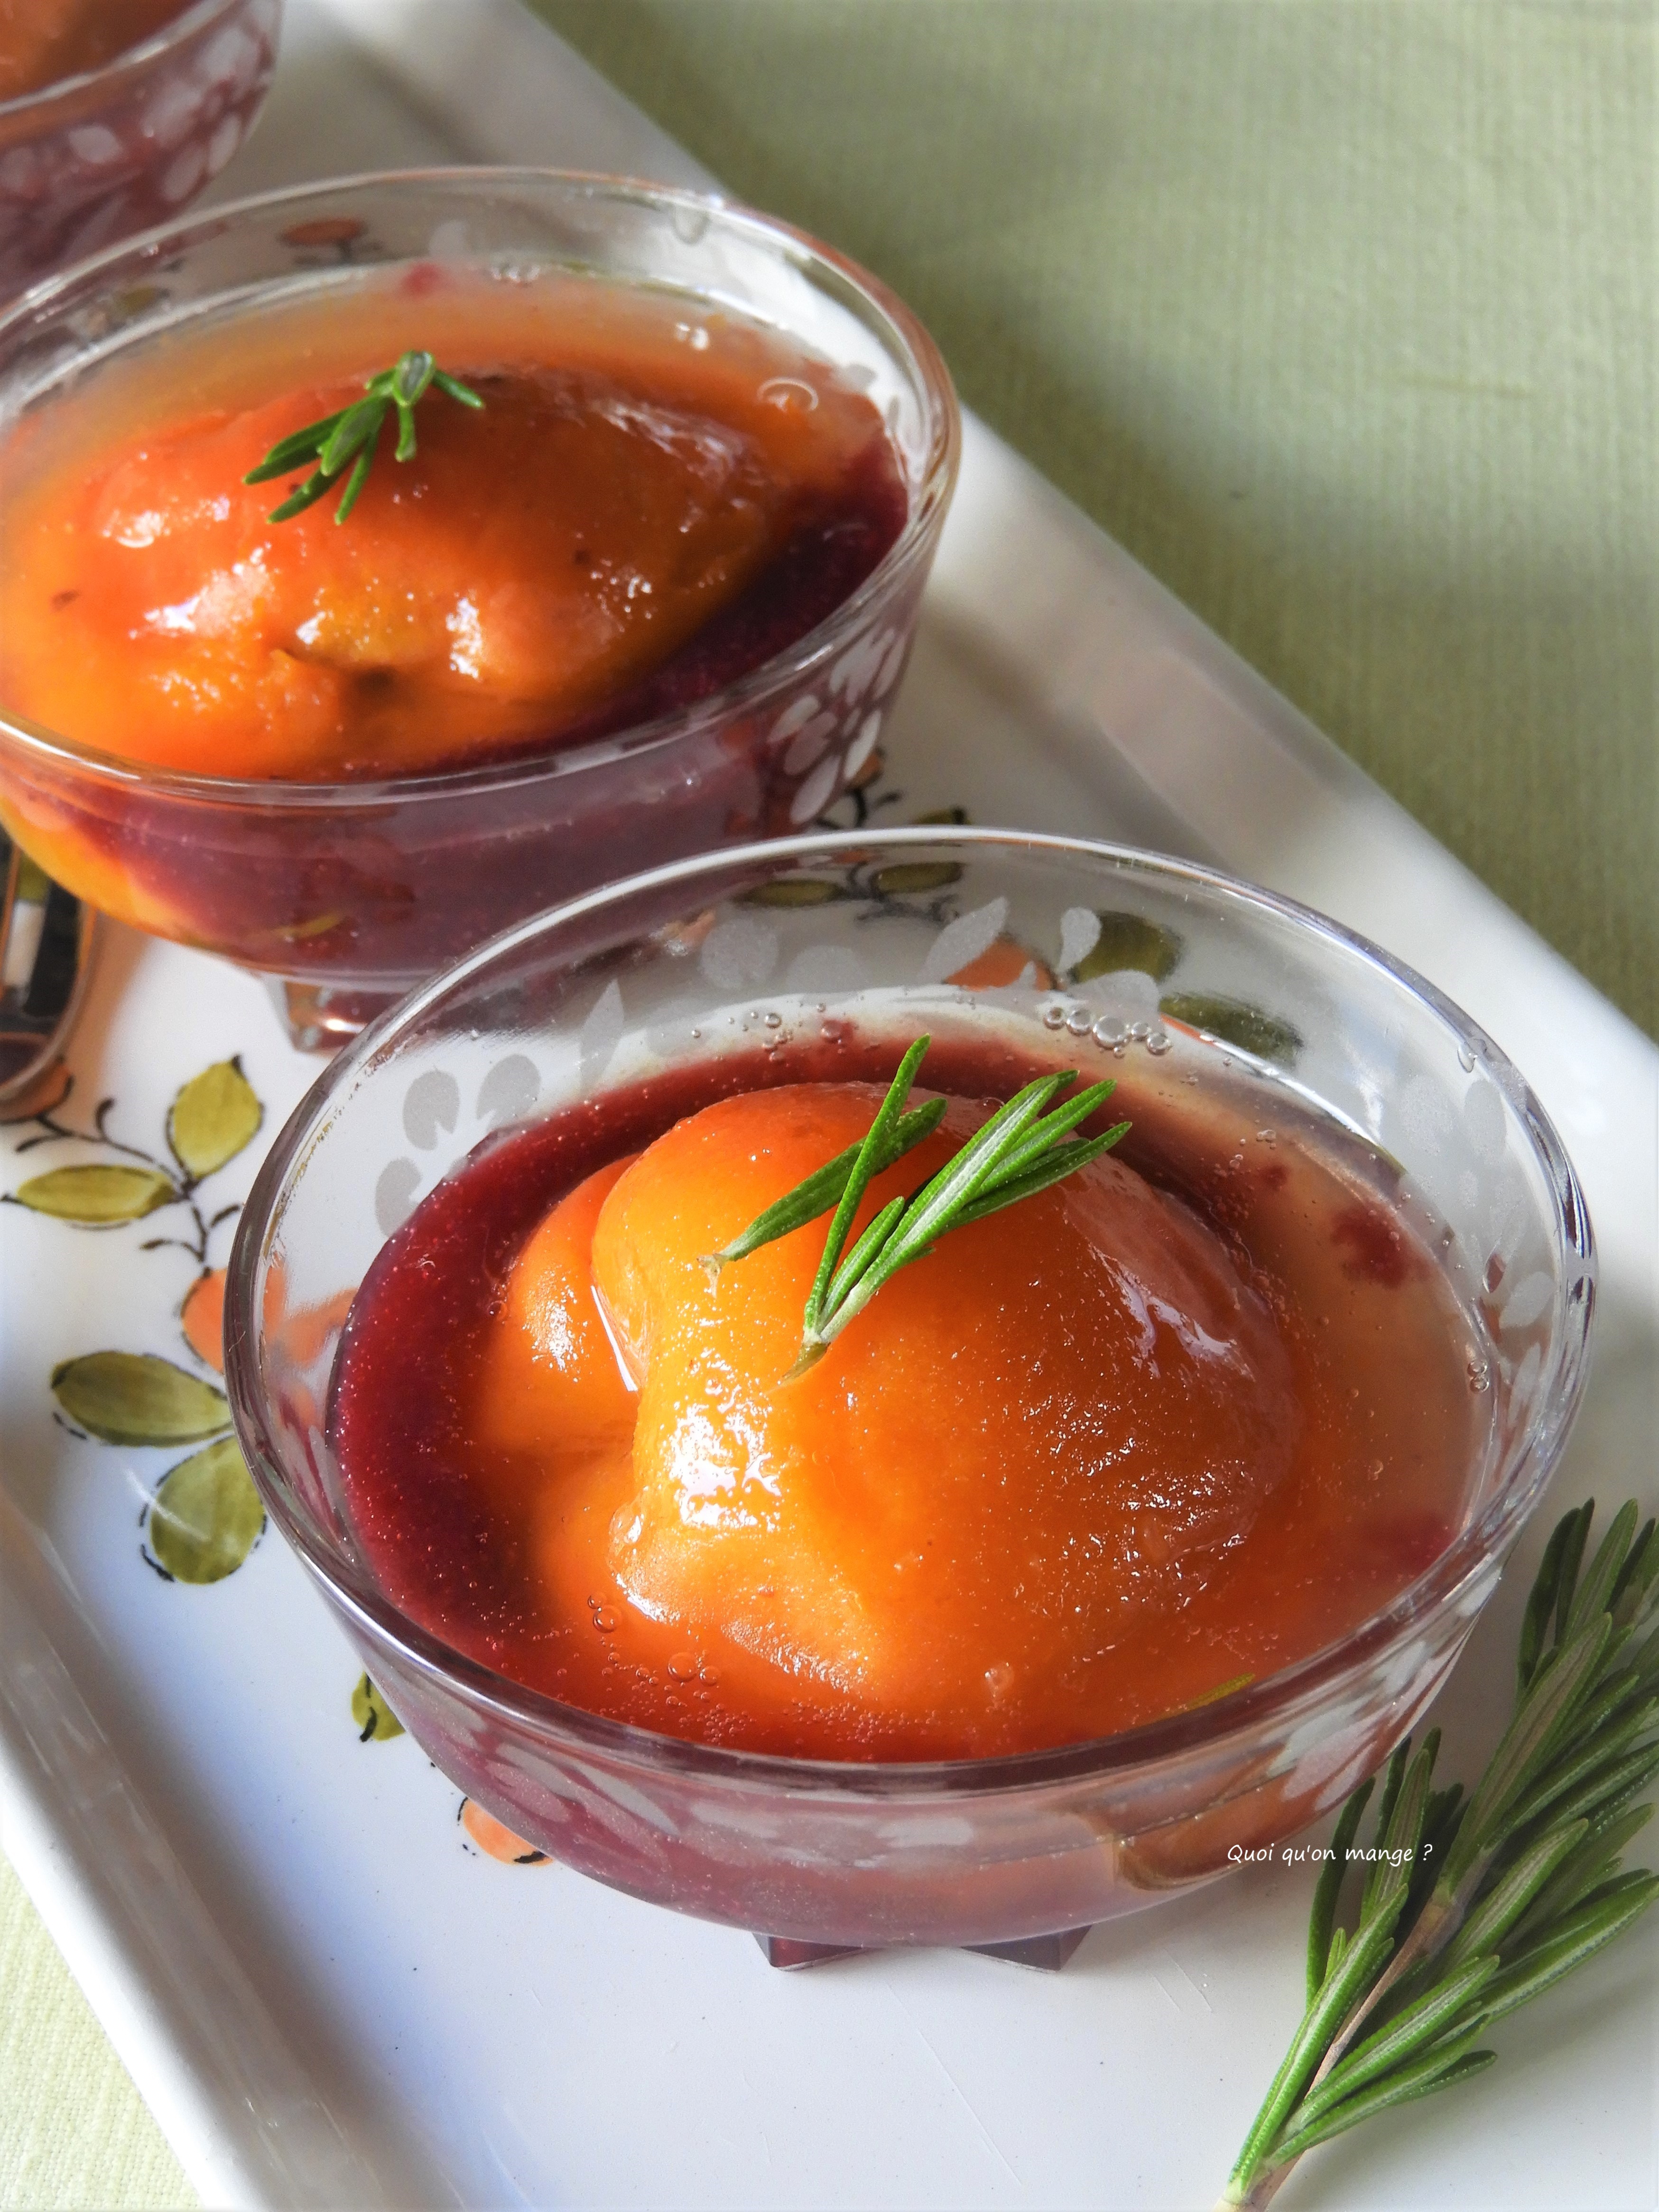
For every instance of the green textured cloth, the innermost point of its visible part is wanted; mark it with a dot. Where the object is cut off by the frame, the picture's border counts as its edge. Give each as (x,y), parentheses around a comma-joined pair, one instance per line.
(72,2130)
(1340,316)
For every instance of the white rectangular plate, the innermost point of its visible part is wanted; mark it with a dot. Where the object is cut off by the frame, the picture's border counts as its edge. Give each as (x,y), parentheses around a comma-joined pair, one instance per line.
(325,1993)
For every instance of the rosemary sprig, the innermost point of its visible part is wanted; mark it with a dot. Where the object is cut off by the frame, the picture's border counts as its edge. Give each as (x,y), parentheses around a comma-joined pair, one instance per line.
(353,434)
(1021,1150)
(1472,1908)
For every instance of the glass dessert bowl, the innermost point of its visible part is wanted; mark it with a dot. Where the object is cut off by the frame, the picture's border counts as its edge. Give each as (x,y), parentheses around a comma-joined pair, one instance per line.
(390,809)
(114,117)
(1256,1047)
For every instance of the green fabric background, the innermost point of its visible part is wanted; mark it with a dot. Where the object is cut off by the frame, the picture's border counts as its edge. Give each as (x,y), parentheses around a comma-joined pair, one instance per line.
(72,2130)
(1339,315)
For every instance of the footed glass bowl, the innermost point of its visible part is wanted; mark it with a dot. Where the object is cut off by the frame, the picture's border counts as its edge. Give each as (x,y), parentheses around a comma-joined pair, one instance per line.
(347,894)
(93,158)
(1112,961)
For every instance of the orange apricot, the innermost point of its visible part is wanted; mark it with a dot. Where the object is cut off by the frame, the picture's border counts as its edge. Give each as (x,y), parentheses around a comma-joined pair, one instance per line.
(528,566)
(1015,1455)
(550,1381)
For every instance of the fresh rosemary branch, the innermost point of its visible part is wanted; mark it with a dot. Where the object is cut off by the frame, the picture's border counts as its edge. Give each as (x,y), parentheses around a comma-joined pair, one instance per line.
(1021,1150)
(1473,1907)
(820,1193)
(353,434)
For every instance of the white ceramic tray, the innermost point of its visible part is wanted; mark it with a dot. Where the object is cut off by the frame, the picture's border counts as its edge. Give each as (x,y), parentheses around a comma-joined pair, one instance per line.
(325,1991)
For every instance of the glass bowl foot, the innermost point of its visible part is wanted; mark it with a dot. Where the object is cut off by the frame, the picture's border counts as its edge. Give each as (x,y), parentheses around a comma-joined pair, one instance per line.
(789,1956)
(322,1016)
(1048,1953)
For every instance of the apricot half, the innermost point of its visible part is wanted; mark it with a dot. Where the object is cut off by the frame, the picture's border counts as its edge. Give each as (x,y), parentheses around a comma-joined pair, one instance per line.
(1015,1456)
(529,562)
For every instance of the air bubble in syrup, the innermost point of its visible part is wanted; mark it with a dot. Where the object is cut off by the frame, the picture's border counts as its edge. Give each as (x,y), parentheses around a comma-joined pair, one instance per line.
(1054,1016)
(1079,1022)
(1109,1031)
(789,394)
(1159,1042)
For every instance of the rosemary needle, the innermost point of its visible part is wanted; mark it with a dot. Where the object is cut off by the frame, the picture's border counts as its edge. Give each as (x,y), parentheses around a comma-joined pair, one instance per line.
(352,436)
(1022,1149)
(1472,1907)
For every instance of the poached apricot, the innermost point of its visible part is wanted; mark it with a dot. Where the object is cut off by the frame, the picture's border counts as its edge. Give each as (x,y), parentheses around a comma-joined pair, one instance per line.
(643,509)
(1093,1460)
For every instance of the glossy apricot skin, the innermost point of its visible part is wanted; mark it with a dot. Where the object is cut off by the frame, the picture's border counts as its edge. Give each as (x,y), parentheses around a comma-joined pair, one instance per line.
(529,565)
(551,1383)
(482,615)
(523,1553)
(1022,1447)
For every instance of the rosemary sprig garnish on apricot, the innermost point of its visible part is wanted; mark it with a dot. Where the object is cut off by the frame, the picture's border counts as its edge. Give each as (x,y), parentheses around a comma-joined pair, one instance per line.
(353,434)
(1022,1149)
(821,1192)
(1470,1908)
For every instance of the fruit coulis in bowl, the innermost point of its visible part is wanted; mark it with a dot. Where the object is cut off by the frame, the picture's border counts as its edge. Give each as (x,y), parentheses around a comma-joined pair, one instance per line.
(1098,1458)
(652,500)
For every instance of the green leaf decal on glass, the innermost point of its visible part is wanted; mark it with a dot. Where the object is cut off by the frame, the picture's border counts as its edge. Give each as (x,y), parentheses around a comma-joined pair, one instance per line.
(1129,941)
(376,1721)
(133,1398)
(95,1195)
(1235,1021)
(917,876)
(213,1117)
(793,891)
(206,1515)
